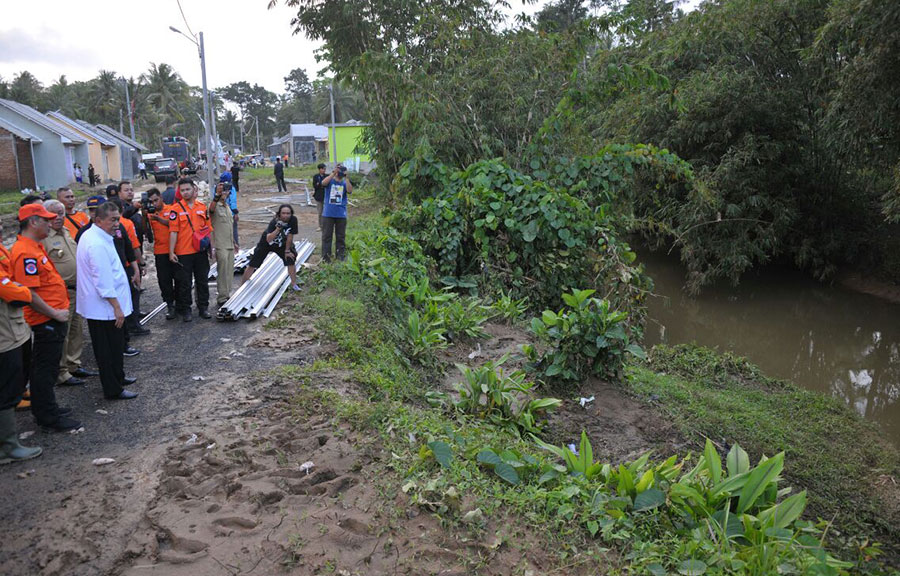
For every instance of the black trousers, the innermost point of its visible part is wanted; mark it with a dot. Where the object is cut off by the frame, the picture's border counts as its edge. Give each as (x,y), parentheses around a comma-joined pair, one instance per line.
(193,267)
(133,320)
(11,376)
(165,276)
(282,187)
(336,227)
(47,349)
(109,344)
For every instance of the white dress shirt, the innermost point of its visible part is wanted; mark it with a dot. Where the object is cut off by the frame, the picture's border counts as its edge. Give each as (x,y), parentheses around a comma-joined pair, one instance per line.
(100,276)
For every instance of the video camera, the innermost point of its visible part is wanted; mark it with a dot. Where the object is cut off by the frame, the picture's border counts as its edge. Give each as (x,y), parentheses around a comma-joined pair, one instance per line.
(147,204)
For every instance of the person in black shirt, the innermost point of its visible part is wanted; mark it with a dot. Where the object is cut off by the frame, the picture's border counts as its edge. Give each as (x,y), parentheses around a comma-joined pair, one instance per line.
(319,192)
(279,175)
(235,175)
(278,238)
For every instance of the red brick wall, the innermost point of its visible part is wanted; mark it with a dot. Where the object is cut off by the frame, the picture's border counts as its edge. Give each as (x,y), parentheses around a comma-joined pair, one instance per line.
(10,146)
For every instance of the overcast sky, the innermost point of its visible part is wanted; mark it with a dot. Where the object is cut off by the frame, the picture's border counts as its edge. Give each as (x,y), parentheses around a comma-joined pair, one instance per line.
(244,40)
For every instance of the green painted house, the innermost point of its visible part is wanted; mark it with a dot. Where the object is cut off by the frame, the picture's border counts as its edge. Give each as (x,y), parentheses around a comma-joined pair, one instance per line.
(347,138)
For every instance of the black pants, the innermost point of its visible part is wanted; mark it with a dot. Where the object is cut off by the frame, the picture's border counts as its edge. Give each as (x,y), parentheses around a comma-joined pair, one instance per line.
(193,266)
(109,344)
(336,227)
(282,187)
(11,376)
(166,277)
(133,320)
(49,340)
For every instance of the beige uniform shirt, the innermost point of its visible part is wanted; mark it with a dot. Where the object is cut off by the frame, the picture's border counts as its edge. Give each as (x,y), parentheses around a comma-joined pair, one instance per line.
(221,220)
(61,248)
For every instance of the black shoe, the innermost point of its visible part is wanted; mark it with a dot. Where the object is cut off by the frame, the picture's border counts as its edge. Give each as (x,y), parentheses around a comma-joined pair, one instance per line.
(82,373)
(138,331)
(125,395)
(129,380)
(64,410)
(204,313)
(63,424)
(131,351)
(141,315)
(73,381)
(187,317)
(170,312)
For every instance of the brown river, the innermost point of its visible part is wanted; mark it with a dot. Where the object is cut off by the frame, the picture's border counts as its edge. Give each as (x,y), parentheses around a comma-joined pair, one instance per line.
(826,339)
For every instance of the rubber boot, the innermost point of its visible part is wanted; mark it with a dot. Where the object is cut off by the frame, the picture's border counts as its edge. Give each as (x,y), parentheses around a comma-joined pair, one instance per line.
(10,449)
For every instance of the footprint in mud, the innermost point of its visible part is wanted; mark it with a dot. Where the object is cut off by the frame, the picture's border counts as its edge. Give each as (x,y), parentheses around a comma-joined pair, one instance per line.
(235,522)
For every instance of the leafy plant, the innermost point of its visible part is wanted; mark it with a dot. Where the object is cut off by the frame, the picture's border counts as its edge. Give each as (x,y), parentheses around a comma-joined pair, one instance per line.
(508,308)
(424,335)
(503,398)
(586,337)
(464,320)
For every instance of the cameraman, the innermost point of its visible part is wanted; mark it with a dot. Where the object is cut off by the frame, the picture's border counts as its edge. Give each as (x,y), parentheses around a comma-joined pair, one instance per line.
(278,238)
(221,217)
(158,217)
(334,213)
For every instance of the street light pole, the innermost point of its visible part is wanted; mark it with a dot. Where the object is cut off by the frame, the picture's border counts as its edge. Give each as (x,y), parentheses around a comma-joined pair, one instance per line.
(258,150)
(209,170)
(333,127)
(128,106)
(215,133)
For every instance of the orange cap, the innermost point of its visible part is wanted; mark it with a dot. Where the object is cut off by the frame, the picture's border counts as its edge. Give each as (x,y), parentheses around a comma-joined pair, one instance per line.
(36,209)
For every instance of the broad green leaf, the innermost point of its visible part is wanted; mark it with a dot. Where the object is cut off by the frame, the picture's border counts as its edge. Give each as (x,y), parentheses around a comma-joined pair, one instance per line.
(507,472)
(644,482)
(759,480)
(713,462)
(656,569)
(784,513)
(636,351)
(649,499)
(692,568)
(737,461)
(585,452)
(730,486)
(488,457)
(442,453)
(549,317)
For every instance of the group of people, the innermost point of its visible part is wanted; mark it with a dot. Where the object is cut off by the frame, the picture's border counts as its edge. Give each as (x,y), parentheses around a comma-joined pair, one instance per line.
(93,179)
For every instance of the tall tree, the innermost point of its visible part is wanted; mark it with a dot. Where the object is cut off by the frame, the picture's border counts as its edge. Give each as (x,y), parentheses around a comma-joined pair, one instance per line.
(26,89)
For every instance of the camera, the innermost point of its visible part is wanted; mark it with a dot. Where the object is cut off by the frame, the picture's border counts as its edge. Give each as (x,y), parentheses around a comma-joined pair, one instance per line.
(280,224)
(342,171)
(147,205)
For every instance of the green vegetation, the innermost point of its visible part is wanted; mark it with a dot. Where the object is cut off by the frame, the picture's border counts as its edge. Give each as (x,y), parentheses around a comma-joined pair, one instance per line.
(714,513)
(828,448)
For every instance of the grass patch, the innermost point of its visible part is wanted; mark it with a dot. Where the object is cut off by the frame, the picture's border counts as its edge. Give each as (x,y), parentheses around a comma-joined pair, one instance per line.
(829,449)
(306,171)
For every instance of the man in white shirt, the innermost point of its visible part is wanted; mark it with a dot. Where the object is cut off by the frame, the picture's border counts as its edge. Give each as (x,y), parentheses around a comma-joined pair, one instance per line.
(104,299)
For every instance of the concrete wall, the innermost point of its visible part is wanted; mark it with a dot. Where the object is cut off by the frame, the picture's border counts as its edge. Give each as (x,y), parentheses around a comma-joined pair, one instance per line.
(16,168)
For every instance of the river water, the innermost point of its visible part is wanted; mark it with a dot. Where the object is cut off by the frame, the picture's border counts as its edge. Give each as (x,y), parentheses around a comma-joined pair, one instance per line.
(826,339)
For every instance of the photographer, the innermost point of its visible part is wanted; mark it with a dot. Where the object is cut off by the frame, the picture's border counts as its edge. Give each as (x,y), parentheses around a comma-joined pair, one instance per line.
(334,213)
(278,238)
(158,217)
(221,217)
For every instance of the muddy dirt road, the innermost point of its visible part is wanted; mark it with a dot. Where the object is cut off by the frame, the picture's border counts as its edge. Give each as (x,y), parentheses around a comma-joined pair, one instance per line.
(63,515)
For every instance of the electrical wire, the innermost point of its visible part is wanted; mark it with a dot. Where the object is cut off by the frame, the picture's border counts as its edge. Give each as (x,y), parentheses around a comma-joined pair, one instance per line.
(180,9)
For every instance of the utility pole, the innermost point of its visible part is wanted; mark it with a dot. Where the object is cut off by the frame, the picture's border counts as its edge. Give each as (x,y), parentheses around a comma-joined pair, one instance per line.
(128,105)
(242,134)
(215,133)
(333,127)
(199,45)
(258,149)
(121,122)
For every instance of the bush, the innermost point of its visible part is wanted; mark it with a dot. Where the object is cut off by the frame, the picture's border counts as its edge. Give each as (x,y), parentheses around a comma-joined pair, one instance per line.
(586,338)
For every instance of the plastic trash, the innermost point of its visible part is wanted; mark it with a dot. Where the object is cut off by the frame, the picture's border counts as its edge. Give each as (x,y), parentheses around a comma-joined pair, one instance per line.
(475,353)
(102,461)
(306,467)
(101,411)
(192,440)
(585,401)
(197,378)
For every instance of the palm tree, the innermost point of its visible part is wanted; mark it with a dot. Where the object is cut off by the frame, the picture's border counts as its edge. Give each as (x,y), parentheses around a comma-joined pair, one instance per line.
(107,98)
(166,91)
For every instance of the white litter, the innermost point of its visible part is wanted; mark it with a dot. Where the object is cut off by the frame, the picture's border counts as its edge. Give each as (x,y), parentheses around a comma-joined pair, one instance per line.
(225,339)
(192,440)
(102,461)
(101,411)
(77,430)
(585,401)
(197,378)
(211,446)
(306,467)
(475,353)
(26,434)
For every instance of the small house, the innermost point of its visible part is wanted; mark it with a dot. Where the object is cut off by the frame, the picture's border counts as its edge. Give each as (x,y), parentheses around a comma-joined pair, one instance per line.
(16,158)
(102,149)
(346,144)
(57,149)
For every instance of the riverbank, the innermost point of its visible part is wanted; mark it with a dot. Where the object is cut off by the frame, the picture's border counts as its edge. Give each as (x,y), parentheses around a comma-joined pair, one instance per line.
(850,470)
